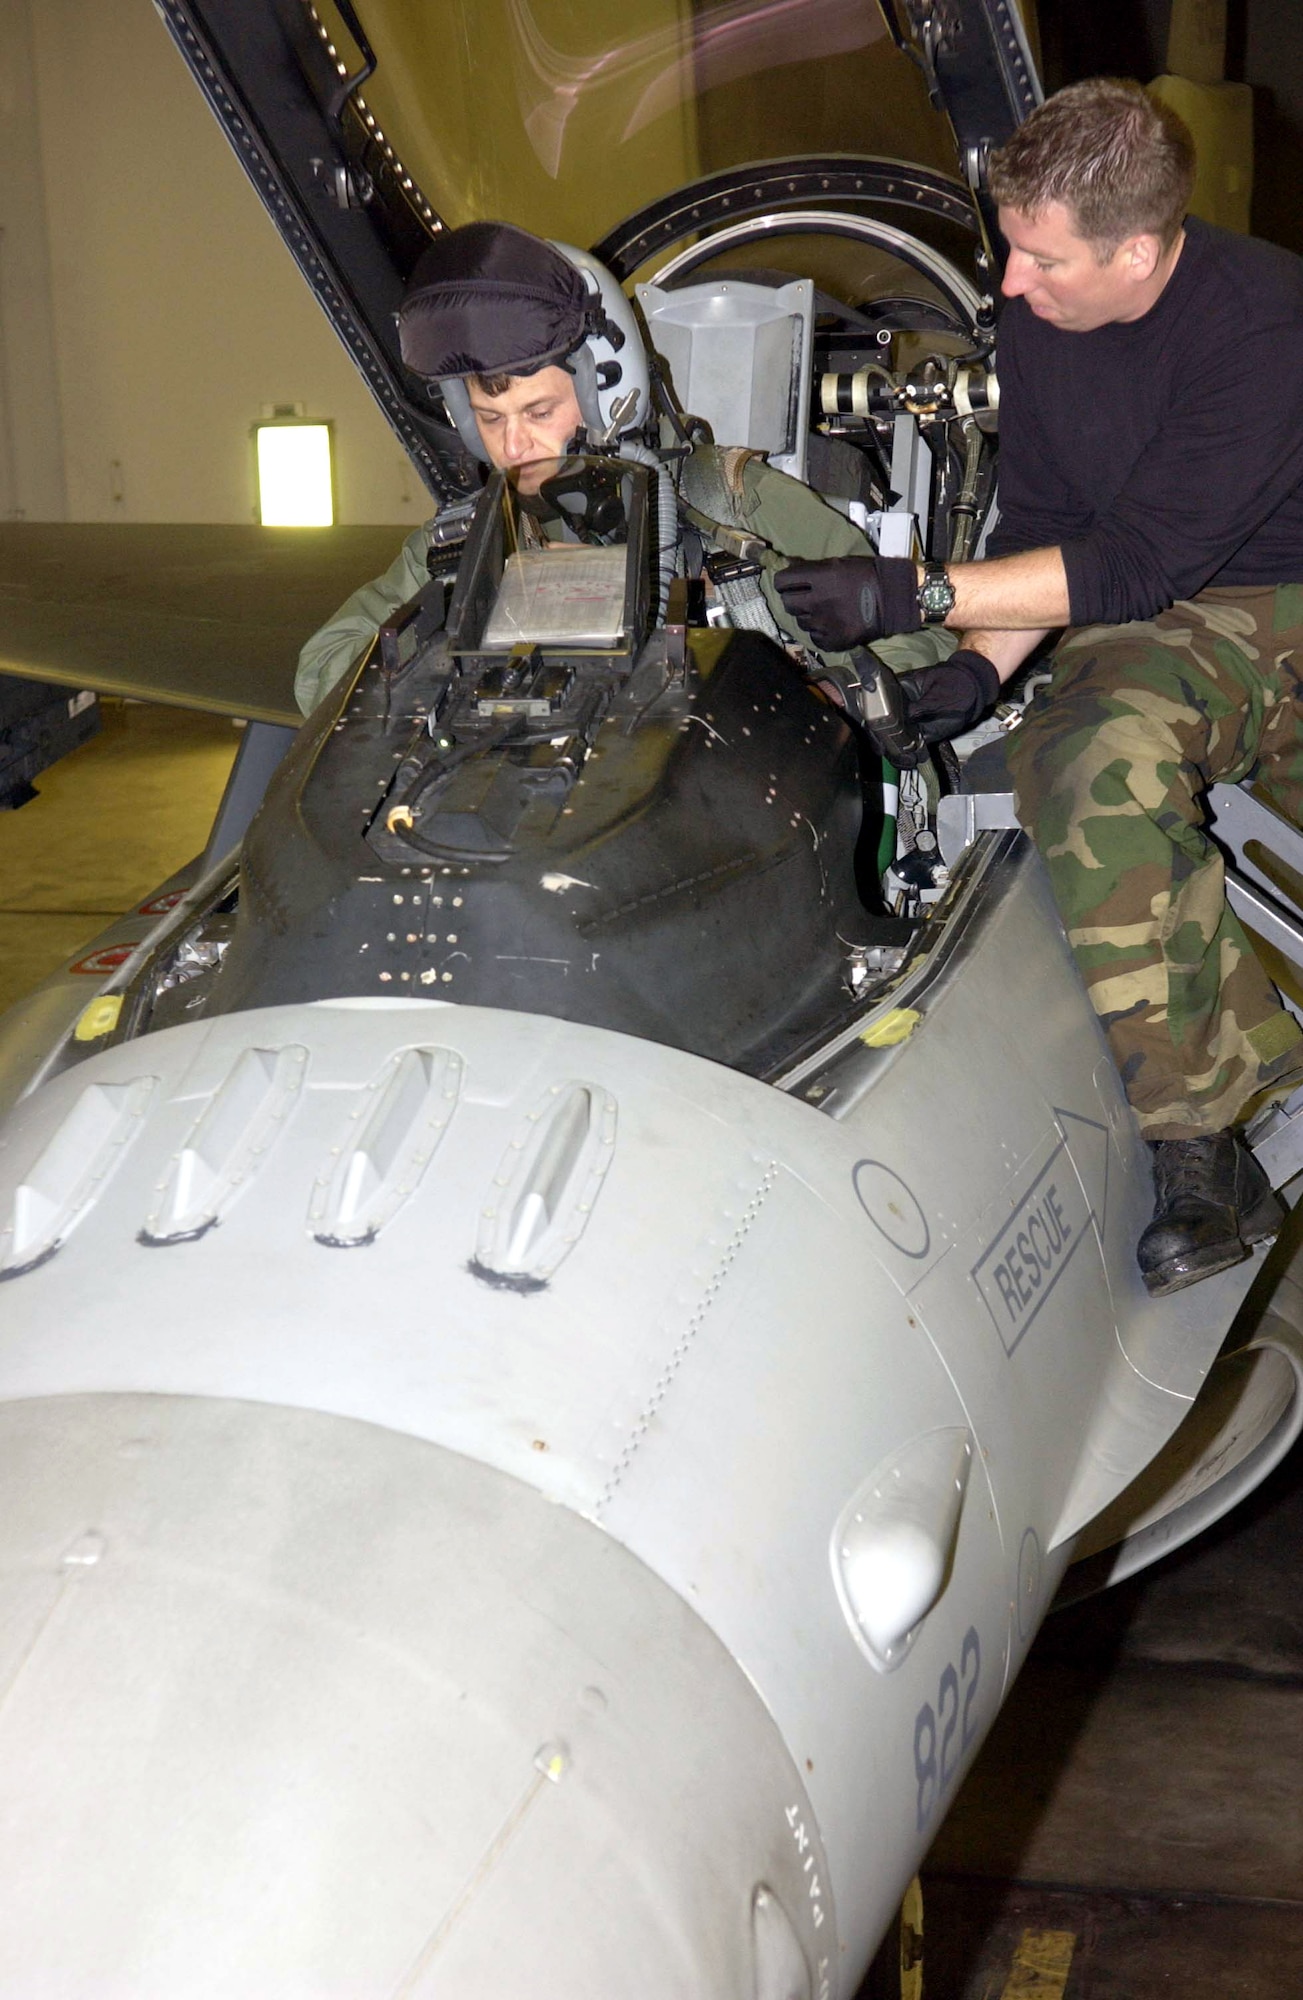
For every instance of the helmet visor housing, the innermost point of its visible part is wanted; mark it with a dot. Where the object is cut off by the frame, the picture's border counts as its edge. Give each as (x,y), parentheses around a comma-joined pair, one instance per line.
(490,299)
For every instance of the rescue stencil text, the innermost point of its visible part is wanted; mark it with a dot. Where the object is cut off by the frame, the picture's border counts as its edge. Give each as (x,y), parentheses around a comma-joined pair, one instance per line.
(1021,1268)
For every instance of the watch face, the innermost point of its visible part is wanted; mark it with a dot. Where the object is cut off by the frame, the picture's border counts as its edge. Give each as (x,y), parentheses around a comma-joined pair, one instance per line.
(936,597)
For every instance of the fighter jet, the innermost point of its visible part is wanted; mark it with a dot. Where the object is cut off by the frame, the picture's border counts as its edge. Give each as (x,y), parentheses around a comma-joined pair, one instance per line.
(568,1306)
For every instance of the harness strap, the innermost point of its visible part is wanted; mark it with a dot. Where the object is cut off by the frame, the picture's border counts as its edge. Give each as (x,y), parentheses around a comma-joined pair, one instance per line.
(713,498)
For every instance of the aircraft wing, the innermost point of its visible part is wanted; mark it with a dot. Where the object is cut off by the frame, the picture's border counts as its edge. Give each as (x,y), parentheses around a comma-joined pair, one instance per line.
(201,617)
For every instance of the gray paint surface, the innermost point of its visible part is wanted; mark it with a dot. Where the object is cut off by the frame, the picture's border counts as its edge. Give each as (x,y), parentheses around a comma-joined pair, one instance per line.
(208,617)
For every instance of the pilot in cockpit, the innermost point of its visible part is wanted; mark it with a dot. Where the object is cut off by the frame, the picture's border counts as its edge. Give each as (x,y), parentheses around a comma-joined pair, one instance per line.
(537,351)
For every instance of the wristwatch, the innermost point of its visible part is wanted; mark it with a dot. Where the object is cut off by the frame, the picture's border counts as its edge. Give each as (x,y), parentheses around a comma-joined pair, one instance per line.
(936,594)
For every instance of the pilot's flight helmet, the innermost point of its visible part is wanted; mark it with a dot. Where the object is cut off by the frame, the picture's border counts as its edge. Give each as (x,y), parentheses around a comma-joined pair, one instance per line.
(490,299)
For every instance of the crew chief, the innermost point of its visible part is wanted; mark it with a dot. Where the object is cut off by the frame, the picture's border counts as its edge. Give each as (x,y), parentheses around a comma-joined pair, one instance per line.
(1151,495)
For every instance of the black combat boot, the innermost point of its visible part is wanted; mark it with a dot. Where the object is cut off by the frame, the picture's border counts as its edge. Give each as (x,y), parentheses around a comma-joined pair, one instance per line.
(1212,1200)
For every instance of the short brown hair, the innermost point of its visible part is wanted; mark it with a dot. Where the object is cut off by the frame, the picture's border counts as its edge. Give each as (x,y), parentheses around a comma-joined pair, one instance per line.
(1118,160)
(498,385)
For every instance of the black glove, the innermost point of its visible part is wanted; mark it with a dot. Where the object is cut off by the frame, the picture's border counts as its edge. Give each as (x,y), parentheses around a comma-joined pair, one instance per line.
(904,713)
(851,600)
(952,697)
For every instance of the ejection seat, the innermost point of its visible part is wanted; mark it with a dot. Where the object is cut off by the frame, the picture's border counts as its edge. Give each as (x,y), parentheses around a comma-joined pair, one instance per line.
(740,355)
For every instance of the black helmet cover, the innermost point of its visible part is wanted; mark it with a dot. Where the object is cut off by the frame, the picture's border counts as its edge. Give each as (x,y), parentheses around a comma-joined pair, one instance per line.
(490,299)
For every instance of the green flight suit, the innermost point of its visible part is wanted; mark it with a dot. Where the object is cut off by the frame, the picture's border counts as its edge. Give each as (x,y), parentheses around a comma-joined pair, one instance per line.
(782,511)
(341,642)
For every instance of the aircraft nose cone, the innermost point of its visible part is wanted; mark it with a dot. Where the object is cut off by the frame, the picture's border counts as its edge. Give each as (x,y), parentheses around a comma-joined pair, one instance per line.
(302,1706)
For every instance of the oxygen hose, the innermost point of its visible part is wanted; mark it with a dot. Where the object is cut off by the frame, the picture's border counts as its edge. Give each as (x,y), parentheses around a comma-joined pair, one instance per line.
(963,515)
(667,520)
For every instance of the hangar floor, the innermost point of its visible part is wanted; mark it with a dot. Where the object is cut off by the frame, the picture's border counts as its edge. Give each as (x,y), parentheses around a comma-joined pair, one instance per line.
(108,824)
(1134,1826)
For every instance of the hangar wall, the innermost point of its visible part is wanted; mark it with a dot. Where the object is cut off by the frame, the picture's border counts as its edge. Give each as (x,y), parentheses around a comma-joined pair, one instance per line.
(1264,48)
(149,314)
(1273,64)
(31,423)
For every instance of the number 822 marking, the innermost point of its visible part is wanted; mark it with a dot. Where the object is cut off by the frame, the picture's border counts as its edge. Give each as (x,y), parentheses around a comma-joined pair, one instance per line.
(936,1758)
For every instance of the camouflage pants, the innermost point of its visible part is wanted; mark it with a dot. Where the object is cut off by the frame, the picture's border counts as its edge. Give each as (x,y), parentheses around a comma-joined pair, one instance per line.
(1109,766)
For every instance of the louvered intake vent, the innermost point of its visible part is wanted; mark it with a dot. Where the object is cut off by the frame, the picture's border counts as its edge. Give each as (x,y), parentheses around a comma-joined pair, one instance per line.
(543,1193)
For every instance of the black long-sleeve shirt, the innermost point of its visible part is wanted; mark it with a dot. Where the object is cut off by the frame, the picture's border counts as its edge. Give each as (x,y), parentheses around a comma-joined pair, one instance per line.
(1167,453)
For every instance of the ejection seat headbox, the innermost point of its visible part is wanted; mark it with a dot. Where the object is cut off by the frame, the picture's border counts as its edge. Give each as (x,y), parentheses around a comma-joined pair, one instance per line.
(490,299)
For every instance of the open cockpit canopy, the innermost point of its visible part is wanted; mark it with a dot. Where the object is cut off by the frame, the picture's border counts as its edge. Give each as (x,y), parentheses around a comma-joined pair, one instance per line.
(367,127)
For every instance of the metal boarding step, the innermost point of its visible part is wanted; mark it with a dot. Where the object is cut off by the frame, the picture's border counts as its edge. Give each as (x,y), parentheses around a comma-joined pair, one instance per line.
(1264,863)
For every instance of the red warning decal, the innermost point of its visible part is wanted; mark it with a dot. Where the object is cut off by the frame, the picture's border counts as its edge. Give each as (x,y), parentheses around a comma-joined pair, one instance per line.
(107,959)
(160,905)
